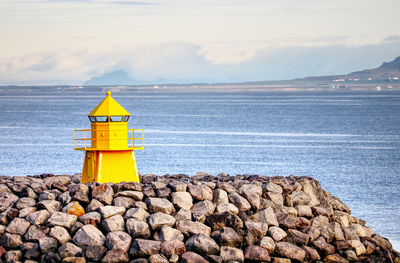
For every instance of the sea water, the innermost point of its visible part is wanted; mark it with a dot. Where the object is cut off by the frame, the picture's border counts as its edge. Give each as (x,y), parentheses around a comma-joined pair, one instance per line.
(349,141)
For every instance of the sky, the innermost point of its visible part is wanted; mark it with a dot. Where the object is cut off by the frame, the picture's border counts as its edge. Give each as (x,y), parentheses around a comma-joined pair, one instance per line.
(58,42)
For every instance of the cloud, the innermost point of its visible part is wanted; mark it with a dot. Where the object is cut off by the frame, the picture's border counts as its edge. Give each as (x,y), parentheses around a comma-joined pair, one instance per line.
(183,62)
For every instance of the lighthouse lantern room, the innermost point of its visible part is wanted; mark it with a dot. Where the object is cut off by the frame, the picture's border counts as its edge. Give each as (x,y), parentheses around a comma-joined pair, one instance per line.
(109,144)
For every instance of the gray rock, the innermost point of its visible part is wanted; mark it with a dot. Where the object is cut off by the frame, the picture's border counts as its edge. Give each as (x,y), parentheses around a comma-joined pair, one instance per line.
(200,192)
(239,201)
(104,193)
(202,244)
(62,219)
(89,235)
(143,247)
(114,223)
(115,256)
(53,180)
(202,209)
(277,233)
(160,205)
(137,228)
(61,234)
(69,250)
(7,200)
(227,237)
(39,217)
(48,244)
(118,240)
(13,255)
(8,240)
(24,212)
(24,202)
(92,218)
(166,233)
(79,192)
(231,254)
(290,251)
(34,233)
(159,219)
(49,195)
(64,198)
(135,195)
(182,200)
(138,213)
(18,226)
(109,211)
(189,228)
(94,205)
(177,186)
(123,201)
(267,216)
(50,205)
(95,253)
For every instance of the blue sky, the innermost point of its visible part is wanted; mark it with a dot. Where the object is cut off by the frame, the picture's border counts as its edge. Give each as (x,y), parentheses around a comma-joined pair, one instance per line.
(69,42)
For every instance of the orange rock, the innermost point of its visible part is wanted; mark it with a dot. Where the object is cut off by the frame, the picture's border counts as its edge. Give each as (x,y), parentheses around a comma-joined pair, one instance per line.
(76,209)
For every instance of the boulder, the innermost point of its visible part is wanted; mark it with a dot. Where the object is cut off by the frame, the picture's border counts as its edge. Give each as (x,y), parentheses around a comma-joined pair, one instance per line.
(202,244)
(227,237)
(89,235)
(48,244)
(62,219)
(118,240)
(138,213)
(268,243)
(228,254)
(109,211)
(202,209)
(159,205)
(18,226)
(182,200)
(172,247)
(290,251)
(92,218)
(34,233)
(257,253)
(166,233)
(115,256)
(39,217)
(225,219)
(61,234)
(114,223)
(137,228)
(143,247)
(189,228)
(239,201)
(267,216)
(24,202)
(104,193)
(79,192)
(8,240)
(123,201)
(135,195)
(277,233)
(200,192)
(159,219)
(95,253)
(191,257)
(7,200)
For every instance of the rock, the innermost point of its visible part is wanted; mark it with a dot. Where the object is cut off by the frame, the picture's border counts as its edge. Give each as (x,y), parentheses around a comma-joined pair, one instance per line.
(177,186)
(239,201)
(299,237)
(115,256)
(114,223)
(288,221)
(157,258)
(48,244)
(200,192)
(172,247)
(148,191)
(7,200)
(231,254)
(95,253)
(13,255)
(137,228)
(109,211)
(143,247)
(357,246)
(298,198)
(252,193)
(89,235)
(267,216)
(311,253)
(221,208)
(75,227)
(202,209)
(226,219)
(50,257)
(163,192)
(93,205)
(57,180)
(62,219)
(8,240)
(118,240)
(268,243)
(323,246)
(304,211)
(24,212)
(18,226)
(272,187)
(104,193)
(202,244)
(74,260)
(160,205)
(382,242)
(335,258)
(135,195)
(277,233)
(159,219)
(183,214)
(191,257)
(24,202)
(61,234)
(276,198)
(166,233)
(220,197)
(79,192)
(34,233)
(351,255)
(189,228)
(123,201)
(138,213)
(182,200)
(226,187)
(290,251)
(39,217)
(64,198)
(257,253)
(92,218)
(337,231)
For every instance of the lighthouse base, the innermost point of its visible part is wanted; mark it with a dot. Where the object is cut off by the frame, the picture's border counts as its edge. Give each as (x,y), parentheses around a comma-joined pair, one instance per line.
(109,167)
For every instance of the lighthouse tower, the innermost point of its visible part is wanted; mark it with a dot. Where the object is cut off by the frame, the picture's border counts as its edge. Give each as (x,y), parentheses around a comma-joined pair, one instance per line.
(109,145)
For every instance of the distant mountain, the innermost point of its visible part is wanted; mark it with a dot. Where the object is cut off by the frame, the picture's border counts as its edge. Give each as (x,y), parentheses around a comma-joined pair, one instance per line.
(117,77)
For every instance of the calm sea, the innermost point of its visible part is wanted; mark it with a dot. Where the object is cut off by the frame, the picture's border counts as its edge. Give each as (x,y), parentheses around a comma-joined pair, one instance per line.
(349,141)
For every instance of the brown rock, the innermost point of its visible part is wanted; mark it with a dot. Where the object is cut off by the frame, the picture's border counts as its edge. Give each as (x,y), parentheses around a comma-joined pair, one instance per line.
(268,243)
(226,219)
(323,246)
(299,237)
(104,193)
(200,192)
(168,233)
(143,247)
(202,244)
(191,257)
(118,240)
(7,200)
(189,228)
(160,219)
(287,221)
(160,205)
(335,258)
(267,216)
(8,240)
(257,253)
(95,253)
(137,228)
(277,233)
(231,254)
(79,192)
(312,253)
(92,218)
(76,209)
(171,247)
(290,251)
(239,201)
(115,256)
(123,202)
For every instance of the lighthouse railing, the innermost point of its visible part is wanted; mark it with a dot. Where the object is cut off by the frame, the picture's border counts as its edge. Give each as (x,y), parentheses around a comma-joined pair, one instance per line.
(83,139)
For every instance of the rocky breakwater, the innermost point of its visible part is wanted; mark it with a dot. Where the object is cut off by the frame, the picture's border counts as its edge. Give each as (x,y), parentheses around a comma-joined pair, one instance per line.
(181,219)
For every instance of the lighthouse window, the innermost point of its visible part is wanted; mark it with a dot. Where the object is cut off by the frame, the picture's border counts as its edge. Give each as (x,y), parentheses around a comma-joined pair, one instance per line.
(115,118)
(126,118)
(92,119)
(102,118)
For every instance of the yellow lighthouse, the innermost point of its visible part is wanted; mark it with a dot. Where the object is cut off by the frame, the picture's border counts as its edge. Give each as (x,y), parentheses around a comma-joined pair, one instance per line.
(109,145)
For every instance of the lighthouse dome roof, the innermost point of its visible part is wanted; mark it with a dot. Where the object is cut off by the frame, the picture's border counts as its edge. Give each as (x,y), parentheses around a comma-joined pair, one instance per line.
(108,107)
